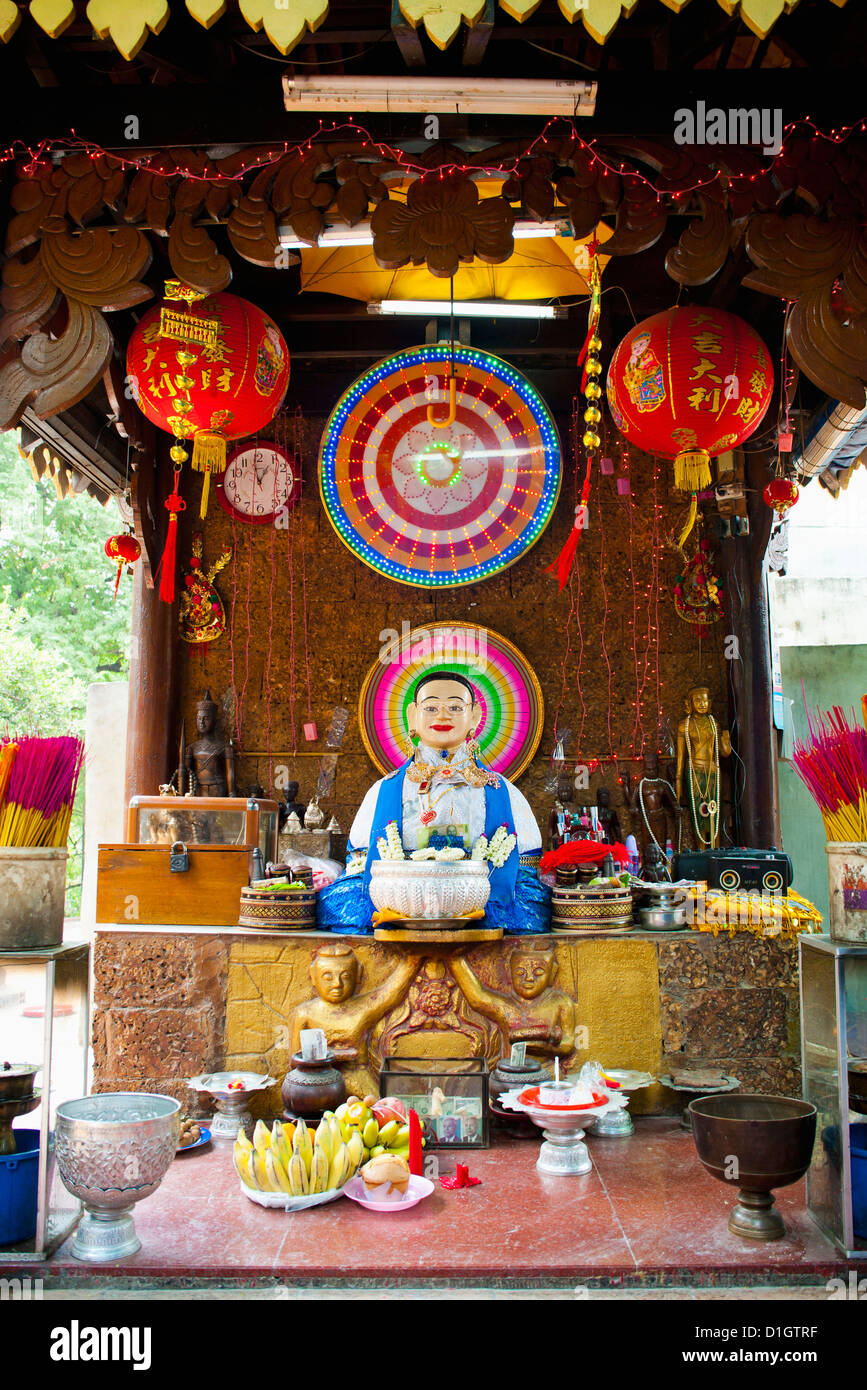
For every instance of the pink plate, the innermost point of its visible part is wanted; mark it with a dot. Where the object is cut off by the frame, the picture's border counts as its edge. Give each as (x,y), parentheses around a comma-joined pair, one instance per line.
(417,1190)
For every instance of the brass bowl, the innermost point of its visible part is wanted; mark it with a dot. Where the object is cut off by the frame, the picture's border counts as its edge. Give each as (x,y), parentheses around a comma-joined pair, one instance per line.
(755,1143)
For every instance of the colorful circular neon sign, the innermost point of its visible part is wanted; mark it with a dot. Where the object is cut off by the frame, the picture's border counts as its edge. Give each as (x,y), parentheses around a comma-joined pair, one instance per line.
(440,507)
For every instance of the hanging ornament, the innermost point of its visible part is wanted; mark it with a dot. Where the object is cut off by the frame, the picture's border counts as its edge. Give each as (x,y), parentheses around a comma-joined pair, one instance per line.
(591,440)
(781,494)
(697,598)
(213,375)
(201,615)
(124,549)
(688,384)
(174,505)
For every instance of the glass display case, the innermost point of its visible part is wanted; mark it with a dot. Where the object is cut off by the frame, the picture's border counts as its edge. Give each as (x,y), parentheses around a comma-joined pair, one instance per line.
(450,1096)
(45,1022)
(834,1067)
(204,820)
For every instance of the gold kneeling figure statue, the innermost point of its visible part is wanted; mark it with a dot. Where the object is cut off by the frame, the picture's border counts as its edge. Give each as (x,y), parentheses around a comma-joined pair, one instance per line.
(537,1014)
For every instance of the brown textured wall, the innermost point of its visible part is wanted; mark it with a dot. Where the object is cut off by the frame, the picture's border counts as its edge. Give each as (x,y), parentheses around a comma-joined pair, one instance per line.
(348,605)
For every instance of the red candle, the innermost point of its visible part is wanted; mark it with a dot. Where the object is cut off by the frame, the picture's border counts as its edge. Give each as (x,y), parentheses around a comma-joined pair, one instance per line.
(416,1160)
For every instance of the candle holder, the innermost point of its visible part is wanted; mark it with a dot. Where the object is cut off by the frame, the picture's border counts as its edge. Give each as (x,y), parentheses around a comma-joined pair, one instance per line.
(617,1124)
(563,1154)
(232,1112)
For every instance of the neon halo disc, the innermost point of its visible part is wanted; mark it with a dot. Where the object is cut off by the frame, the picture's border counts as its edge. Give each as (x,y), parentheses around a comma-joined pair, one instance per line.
(440,507)
(506,686)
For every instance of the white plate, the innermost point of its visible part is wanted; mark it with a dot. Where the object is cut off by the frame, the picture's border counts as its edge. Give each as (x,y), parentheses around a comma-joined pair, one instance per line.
(417,1190)
(281,1201)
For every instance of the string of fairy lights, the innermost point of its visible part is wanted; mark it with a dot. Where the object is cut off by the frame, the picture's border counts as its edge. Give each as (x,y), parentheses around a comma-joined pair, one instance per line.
(41,157)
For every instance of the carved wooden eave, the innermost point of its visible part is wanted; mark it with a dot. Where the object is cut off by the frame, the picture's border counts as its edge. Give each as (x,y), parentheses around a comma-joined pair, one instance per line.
(83,231)
(129,25)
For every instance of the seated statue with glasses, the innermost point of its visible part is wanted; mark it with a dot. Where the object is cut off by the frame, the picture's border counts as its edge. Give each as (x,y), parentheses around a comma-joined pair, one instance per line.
(443,796)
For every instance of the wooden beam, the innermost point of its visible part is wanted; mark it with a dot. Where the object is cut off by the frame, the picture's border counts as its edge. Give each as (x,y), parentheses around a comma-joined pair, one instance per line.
(478,36)
(153,690)
(406,38)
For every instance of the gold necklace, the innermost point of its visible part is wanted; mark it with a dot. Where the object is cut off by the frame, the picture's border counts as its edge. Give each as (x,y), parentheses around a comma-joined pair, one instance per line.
(421,772)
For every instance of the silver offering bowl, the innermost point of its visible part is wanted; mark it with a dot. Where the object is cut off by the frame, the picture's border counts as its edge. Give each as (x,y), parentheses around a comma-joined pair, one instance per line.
(563,1154)
(232,1111)
(617,1124)
(113,1150)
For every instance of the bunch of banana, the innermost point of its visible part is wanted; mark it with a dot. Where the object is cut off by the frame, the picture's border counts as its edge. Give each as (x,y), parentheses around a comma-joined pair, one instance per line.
(285,1158)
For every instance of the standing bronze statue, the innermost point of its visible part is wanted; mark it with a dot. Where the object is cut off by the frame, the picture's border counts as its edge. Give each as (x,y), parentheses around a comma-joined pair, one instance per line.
(654,810)
(700,744)
(210,760)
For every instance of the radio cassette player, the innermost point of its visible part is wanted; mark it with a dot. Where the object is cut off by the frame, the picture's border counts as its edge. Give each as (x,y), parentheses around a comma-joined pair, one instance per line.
(739,868)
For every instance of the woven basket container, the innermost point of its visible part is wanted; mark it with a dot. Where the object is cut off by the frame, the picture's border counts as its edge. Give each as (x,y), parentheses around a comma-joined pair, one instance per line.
(289,911)
(591,909)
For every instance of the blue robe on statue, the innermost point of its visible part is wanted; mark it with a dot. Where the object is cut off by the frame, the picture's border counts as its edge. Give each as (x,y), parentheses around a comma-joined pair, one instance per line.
(519,903)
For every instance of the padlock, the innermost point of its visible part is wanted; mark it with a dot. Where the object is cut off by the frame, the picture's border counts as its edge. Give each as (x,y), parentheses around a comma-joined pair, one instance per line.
(179,859)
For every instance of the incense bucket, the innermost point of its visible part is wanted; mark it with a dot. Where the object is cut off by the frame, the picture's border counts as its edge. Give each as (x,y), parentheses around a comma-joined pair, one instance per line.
(847,890)
(32,894)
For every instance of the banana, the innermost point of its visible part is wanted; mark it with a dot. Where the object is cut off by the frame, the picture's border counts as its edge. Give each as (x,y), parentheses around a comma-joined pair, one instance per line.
(322,1140)
(241,1160)
(260,1173)
(297,1174)
(388,1133)
(365,1155)
(319,1171)
(279,1147)
(337,1136)
(302,1144)
(377,1150)
(370,1133)
(261,1138)
(277,1174)
(243,1140)
(401,1139)
(339,1170)
(400,1153)
(355,1151)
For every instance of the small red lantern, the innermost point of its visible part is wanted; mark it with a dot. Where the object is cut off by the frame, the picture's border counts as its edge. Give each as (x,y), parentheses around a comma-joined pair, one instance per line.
(125,549)
(211,372)
(689,384)
(781,494)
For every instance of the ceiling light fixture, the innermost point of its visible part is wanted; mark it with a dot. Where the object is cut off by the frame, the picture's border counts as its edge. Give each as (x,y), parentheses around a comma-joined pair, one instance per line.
(489,96)
(343,235)
(467,308)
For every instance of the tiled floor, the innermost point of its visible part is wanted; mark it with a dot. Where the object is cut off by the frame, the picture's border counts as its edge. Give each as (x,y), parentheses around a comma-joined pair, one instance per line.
(647,1216)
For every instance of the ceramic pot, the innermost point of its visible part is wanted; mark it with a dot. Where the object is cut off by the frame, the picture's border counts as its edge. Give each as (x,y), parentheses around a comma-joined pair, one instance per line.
(429,889)
(312,1086)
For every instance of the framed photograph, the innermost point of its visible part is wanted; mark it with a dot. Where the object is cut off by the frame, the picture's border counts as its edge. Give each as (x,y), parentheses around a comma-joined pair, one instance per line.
(450,1096)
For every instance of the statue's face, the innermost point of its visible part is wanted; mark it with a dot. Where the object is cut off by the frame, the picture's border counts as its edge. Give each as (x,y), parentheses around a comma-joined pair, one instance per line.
(700,701)
(603,797)
(444,714)
(291,791)
(335,977)
(204,721)
(531,973)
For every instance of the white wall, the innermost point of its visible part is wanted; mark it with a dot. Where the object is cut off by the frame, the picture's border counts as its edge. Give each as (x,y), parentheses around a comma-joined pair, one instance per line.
(821,601)
(104,784)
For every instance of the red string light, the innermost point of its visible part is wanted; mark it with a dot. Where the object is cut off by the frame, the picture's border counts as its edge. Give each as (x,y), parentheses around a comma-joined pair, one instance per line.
(35,157)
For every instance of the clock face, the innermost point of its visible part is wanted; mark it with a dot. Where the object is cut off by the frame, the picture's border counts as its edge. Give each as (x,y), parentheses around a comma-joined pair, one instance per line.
(259,480)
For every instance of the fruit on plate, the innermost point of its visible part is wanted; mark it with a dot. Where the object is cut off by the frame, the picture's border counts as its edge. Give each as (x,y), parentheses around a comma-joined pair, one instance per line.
(190,1133)
(389,1109)
(286,1159)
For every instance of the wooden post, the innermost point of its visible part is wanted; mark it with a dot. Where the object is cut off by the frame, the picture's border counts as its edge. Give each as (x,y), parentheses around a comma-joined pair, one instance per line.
(151,748)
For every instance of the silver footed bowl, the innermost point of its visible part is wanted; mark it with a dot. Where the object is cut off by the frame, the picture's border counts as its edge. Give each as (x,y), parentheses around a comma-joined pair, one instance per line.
(114,1150)
(429,888)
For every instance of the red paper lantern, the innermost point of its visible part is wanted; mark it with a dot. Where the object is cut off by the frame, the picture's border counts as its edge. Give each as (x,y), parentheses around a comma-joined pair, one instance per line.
(781,494)
(211,371)
(125,550)
(688,384)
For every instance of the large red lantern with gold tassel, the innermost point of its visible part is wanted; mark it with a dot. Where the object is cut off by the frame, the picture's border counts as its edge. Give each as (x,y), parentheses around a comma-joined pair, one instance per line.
(210,372)
(688,384)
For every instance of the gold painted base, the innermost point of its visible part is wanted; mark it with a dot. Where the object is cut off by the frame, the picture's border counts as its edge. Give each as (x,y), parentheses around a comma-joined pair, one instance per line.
(452,936)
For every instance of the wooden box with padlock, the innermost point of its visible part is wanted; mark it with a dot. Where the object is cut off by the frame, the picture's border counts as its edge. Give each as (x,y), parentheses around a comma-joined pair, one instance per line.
(173,885)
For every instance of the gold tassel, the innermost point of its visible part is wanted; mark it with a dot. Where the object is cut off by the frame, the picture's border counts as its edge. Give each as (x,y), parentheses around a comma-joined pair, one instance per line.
(690,521)
(692,471)
(209,452)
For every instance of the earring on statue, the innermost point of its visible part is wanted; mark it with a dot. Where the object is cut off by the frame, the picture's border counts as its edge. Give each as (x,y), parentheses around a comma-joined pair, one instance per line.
(473,745)
(408,744)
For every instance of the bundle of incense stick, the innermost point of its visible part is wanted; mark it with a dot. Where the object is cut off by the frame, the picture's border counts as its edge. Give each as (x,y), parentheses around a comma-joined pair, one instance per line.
(38,779)
(832,764)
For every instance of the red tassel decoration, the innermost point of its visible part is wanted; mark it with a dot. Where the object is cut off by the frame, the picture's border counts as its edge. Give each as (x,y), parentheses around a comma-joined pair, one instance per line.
(175,504)
(562,566)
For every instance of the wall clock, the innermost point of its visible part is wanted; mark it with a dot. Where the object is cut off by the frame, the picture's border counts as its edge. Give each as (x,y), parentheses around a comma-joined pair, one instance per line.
(440,507)
(259,480)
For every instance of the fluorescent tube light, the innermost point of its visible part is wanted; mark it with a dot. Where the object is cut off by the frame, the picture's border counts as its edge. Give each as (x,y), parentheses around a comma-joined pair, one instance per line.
(342,235)
(467,308)
(512,96)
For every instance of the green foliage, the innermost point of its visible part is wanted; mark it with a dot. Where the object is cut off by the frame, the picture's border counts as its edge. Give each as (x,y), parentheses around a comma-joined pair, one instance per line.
(60,630)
